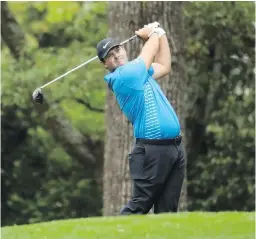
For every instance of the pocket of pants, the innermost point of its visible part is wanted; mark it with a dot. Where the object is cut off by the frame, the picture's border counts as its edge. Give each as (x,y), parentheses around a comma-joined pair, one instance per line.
(182,163)
(137,160)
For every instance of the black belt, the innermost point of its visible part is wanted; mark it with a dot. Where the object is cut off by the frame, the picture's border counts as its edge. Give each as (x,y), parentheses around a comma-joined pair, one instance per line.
(174,141)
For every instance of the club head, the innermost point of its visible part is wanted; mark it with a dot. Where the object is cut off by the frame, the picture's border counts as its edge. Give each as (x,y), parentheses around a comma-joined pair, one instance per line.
(38,96)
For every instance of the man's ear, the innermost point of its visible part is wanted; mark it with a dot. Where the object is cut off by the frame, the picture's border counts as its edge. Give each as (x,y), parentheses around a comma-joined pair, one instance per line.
(104,64)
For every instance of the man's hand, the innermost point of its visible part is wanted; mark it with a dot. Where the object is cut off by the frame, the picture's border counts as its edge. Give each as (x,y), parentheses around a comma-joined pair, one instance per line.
(159,31)
(154,26)
(144,32)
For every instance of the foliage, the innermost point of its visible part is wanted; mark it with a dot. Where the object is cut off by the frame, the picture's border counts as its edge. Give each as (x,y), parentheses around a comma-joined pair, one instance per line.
(221,60)
(85,83)
(185,225)
(40,181)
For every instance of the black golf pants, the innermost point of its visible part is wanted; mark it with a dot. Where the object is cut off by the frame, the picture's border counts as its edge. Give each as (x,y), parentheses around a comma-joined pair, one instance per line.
(157,171)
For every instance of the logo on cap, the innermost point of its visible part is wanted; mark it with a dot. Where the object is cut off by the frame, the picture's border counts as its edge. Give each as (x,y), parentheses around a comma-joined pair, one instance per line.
(106,45)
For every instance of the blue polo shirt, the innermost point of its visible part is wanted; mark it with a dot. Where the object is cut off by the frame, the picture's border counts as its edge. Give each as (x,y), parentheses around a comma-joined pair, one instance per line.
(142,101)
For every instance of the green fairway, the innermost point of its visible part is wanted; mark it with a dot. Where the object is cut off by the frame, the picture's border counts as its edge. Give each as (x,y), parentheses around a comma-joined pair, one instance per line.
(196,225)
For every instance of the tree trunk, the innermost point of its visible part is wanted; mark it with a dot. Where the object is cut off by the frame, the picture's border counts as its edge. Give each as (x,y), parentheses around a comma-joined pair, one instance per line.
(175,84)
(124,19)
(11,32)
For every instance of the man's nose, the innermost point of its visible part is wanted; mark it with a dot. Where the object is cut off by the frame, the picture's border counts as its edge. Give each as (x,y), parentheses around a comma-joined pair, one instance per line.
(116,55)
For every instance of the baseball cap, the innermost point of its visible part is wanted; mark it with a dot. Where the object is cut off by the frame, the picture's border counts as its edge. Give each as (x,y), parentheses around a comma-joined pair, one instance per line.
(105,45)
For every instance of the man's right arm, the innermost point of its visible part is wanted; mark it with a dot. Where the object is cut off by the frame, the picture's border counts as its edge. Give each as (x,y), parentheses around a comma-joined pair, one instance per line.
(135,73)
(162,64)
(151,46)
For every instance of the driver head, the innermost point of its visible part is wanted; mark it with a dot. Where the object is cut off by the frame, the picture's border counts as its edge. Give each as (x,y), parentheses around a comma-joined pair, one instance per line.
(38,96)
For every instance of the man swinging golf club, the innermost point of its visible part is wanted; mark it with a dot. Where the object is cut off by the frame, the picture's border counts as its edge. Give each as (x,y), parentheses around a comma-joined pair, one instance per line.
(157,159)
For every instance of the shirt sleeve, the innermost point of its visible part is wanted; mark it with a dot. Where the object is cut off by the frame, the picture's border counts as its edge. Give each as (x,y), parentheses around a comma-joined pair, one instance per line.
(151,71)
(134,74)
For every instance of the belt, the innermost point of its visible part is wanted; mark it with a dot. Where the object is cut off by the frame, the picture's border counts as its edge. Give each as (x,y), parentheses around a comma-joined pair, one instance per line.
(175,141)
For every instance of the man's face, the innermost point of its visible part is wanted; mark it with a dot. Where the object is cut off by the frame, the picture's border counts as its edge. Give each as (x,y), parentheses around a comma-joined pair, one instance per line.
(116,57)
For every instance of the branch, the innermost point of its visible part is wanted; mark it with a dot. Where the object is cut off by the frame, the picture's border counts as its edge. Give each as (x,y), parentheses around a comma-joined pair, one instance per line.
(88,105)
(11,32)
(83,102)
(73,142)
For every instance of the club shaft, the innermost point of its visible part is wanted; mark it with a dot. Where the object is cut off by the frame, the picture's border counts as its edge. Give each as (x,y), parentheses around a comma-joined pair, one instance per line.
(69,72)
(83,64)
(130,39)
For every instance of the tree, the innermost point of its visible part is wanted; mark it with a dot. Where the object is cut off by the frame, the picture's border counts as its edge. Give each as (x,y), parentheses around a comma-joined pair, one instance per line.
(119,135)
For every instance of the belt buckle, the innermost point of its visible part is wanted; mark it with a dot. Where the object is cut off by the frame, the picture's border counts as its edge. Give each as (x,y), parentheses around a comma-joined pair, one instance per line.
(177,140)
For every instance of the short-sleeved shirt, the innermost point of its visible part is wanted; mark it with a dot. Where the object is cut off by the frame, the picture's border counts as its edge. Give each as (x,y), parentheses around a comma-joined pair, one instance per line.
(142,101)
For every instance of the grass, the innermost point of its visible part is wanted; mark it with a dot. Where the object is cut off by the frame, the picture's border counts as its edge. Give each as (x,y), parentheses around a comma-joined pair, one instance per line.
(187,225)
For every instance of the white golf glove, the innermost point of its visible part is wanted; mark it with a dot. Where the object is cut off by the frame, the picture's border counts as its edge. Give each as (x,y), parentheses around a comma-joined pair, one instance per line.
(152,25)
(156,29)
(159,31)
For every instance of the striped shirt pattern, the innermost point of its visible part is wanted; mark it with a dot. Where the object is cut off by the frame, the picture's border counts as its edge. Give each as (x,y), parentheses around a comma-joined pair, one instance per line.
(152,125)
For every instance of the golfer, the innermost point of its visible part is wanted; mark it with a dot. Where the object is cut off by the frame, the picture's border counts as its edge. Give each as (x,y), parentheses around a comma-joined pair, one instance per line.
(156,161)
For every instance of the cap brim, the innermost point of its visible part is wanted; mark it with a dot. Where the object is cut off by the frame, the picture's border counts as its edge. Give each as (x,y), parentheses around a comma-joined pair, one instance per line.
(110,49)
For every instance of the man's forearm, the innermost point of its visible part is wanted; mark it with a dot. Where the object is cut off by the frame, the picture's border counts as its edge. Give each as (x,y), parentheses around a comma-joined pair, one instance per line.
(150,49)
(163,56)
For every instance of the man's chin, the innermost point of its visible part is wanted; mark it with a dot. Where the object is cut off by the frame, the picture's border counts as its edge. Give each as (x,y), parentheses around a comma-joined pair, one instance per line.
(121,62)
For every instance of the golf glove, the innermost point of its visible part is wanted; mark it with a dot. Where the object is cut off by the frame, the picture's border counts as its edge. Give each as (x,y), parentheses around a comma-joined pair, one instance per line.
(159,31)
(152,25)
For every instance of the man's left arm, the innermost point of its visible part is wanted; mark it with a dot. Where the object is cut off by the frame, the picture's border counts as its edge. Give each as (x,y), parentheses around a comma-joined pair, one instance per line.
(162,63)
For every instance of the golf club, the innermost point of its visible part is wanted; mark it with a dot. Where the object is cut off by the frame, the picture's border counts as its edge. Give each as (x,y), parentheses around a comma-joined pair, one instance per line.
(38,94)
